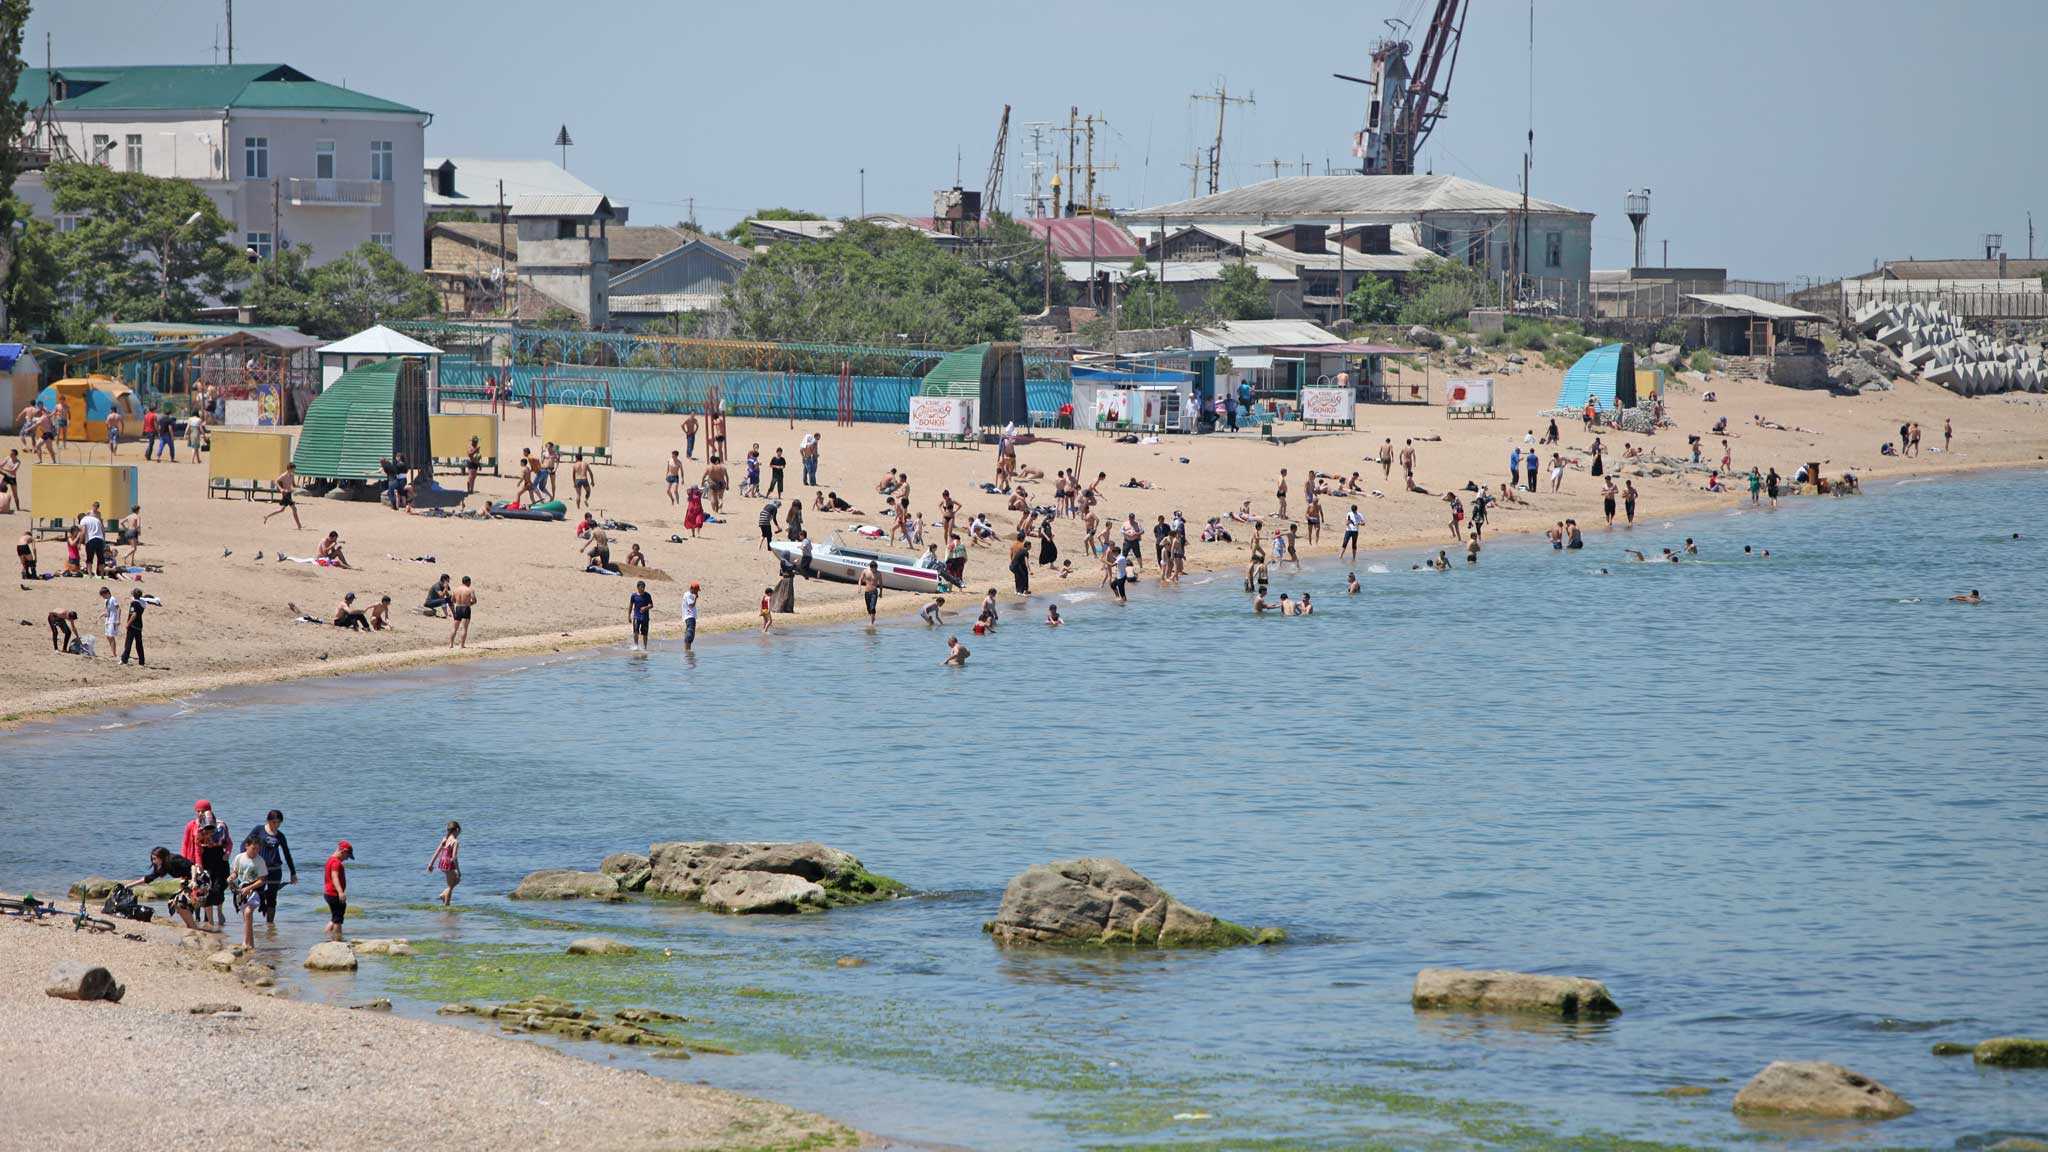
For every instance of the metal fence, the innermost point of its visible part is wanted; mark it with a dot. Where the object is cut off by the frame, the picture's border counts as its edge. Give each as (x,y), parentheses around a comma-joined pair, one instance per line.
(1628,299)
(1969,299)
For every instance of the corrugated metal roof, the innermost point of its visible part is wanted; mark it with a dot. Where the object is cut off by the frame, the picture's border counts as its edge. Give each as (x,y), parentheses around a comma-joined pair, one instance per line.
(664,303)
(1750,305)
(1175,271)
(581,205)
(1405,256)
(956,373)
(1315,198)
(202,86)
(477,177)
(1071,236)
(808,229)
(1260,334)
(1959,269)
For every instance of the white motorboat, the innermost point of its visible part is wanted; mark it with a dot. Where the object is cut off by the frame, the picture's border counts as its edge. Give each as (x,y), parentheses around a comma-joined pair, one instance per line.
(843,557)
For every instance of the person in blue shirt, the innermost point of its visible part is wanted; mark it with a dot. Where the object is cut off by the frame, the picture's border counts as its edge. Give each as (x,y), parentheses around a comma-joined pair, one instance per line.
(1515,466)
(640,611)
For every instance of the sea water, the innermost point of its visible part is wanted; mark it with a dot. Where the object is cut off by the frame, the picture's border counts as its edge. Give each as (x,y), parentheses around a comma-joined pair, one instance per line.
(1786,808)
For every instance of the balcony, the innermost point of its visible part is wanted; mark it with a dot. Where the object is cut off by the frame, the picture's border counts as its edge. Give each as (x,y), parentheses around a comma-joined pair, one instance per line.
(312,193)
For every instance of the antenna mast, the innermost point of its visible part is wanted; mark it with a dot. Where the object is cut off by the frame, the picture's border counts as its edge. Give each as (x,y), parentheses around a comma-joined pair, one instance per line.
(1223,100)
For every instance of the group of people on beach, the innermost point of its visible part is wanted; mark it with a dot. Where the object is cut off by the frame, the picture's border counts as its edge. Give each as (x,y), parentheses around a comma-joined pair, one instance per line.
(212,869)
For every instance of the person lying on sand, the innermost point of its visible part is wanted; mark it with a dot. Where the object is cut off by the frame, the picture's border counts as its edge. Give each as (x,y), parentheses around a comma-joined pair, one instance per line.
(830,502)
(1243,515)
(1134,482)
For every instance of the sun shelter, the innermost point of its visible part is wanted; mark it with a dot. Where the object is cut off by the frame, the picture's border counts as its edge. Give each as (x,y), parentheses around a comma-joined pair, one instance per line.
(60,493)
(1606,376)
(374,345)
(451,434)
(364,416)
(246,460)
(90,399)
(991,374)
(578,429)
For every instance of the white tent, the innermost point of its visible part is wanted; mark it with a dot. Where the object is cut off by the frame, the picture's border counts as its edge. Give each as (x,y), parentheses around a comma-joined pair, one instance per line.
(377,343)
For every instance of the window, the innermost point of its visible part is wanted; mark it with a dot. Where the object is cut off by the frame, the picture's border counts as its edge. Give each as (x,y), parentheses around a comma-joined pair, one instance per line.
(380,159)
(66,222)
(1440,241)
(1553,249)
(260,242)
(256,157)
(323,160)
(102,147)
(135,153)
(381,240)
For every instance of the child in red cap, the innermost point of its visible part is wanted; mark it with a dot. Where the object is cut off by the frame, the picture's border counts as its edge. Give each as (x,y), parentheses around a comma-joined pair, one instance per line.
(335,887)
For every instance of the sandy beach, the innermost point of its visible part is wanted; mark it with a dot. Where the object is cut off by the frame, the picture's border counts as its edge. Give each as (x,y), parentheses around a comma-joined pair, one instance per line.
(225,620)
(150,1072)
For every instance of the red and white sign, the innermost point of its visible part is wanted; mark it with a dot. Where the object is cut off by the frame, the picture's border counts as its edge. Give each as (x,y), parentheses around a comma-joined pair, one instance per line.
(941,415)
(1328,405)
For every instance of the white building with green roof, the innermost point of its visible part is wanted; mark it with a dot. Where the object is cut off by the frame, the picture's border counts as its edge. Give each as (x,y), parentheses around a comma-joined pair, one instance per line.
(289,159)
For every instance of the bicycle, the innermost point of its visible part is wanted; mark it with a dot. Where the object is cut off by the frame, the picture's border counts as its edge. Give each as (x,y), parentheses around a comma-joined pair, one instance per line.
(85,920)
(27,906)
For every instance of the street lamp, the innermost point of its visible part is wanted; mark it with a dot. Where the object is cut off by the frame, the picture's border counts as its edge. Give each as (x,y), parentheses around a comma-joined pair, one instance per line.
(164,307)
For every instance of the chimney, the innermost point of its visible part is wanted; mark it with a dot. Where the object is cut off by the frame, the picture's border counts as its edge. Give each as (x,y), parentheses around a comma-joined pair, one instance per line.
(1376,239)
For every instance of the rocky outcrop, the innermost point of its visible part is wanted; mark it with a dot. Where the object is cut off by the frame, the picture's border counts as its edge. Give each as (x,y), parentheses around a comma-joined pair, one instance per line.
(545,1014)
(600,946)
(567,884)
(1477,991)
(382,947)
(2012,1052)
(1105,902)
(742,877)
(101,887)
(331,956)
(1812,1088)
(75,980)
(631,869)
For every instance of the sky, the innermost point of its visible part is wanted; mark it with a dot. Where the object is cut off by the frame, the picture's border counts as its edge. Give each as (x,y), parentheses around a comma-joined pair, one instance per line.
(1781,139)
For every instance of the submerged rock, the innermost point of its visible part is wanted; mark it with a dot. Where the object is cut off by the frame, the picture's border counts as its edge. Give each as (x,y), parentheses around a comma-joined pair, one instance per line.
(548,1015)
(1951,1048)
(382,947)
(2013,1052)
(745,877)
(380,1004)
(1820,1090)
(1477,991)
(1105,902)
(567,884)
(331,956)
(600,946)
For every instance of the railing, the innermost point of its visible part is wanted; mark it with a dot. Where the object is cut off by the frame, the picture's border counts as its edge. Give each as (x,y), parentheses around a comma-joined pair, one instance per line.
(302,190)
(1629,299)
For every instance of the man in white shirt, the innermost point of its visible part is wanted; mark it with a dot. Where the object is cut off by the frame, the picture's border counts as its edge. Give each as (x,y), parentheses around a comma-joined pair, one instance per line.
(112,610)
(1353,521)
(95,539)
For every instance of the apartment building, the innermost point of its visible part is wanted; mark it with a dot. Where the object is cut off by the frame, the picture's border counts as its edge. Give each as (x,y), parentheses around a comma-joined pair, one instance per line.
(287,158)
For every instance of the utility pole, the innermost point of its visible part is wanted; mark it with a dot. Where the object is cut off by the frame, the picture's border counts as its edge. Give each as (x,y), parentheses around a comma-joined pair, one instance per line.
(863,194)
(1072,129)
(1223,100)
(2030,235)
(504,289)
(1194,166)
(231,31)
(1667,253)
(276,219)
(1036,205)
(1277,164)
(1090,121)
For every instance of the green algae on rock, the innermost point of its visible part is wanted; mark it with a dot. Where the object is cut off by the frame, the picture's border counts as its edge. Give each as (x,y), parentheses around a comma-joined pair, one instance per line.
(736,877)
(2012,1052)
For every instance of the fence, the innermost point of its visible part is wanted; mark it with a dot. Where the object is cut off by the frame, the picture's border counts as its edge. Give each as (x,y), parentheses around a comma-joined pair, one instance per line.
(2011,299)
(1630,299)
(774,395)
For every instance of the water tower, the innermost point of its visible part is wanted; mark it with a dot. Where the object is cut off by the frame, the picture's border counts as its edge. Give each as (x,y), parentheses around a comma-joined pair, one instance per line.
(1638,204)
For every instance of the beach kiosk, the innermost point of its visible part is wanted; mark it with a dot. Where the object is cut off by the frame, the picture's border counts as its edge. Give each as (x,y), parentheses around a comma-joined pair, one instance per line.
(246,461)
(364,416)
(89,399)
(24,379)
(375,345)
(58,493)
(1606,376)
(992,375)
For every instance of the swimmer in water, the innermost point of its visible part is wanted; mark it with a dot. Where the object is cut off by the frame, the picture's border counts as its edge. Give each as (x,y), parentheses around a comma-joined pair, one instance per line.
(1691,549)
(1638,557)
(1351,584)
(1262,606)
(1442,563)
(1052,616)
(956,653)
(1671,556)
(1973,598)
(1287,607)
(1308,607)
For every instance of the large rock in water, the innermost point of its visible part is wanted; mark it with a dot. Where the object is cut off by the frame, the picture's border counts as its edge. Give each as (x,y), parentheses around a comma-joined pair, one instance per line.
(1460,988)
(2012,1052)
(567,884)
(1102,901)
(762,877)
(1820,1090)
(600,946)
(331,956)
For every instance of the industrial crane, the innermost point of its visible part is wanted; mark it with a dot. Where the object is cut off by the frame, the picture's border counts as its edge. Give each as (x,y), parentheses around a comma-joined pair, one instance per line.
(992,196)
(1405,105)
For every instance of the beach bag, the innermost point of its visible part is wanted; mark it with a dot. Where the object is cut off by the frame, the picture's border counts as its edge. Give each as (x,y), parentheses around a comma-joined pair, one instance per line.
(121,902)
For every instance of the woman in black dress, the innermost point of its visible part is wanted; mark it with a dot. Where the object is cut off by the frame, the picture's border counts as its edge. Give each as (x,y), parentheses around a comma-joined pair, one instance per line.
(1048,552)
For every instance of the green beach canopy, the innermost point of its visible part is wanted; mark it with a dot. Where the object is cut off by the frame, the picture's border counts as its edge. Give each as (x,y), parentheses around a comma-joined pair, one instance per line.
(363,417)
(957,373)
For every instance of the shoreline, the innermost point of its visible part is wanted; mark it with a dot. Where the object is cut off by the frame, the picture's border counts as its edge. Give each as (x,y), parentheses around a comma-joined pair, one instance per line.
(50,707)
(312,1074)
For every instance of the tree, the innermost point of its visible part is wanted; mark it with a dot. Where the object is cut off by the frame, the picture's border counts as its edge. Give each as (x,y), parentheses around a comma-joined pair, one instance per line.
(1439,291)
(1016,256)
(13,16)
(558,318)
(1373,300)
(344,295)
(743,235)
(36,302)
(867,285)
(1240,294)
(145,248)
(1147,302)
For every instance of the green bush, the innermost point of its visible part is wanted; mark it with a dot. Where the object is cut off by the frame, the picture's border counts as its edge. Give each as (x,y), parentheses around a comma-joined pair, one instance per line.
(1495,340)
(1701,361)
(1533,341)
(1672,333)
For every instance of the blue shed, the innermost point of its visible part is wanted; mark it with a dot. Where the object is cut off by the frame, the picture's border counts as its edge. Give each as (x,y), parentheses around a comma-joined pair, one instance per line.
(1606,375)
